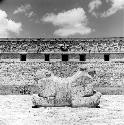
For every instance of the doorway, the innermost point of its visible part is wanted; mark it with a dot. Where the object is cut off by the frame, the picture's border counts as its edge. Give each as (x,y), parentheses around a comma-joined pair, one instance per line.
(65,57)
(82,57)
(22,57)
(106,57)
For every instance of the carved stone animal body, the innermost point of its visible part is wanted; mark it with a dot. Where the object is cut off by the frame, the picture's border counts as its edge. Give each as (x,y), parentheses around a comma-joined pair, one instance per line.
(74,91)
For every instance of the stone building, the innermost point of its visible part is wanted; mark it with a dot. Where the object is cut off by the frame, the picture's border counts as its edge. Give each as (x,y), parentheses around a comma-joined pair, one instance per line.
(62,49)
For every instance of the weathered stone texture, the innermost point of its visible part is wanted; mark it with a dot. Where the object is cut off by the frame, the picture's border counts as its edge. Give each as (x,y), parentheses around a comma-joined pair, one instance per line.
(43,101)
(90,101)
(82,86)
(47,88)
(72,91)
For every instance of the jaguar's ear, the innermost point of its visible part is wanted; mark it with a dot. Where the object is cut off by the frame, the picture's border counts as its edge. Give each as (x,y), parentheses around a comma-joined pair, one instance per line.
(92,73)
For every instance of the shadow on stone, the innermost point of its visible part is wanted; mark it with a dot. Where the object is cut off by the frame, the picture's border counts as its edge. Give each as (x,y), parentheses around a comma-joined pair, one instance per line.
(97,106)
(36,106)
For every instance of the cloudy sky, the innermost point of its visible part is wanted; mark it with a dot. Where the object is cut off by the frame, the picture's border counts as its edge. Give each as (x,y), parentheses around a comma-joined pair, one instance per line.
(61,18)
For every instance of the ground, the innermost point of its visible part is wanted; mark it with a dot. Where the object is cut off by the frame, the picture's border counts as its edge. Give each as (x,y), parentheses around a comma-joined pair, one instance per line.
(17,110)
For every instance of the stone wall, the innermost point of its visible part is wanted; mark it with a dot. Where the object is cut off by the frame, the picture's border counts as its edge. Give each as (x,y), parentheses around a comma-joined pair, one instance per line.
(24,73)
(117,56)
(90,57)
(35,49)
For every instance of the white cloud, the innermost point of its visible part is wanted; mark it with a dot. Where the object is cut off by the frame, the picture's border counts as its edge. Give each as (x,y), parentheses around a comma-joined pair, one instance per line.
(116,6)
(26,9)
(70,22)
(7,25)
(67,31)
(22,9)
(93,5)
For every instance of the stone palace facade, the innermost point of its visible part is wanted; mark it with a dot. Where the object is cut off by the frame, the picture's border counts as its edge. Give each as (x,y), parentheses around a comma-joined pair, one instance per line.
(62,49)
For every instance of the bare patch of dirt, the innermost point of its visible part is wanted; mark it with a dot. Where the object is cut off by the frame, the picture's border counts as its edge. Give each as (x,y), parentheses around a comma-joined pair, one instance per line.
(17,110)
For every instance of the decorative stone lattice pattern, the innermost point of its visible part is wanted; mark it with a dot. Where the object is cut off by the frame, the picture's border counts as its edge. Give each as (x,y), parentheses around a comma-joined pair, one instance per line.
(59,45)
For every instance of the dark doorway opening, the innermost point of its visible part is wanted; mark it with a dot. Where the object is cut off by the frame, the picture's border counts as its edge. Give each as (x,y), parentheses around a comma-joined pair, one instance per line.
(23,57)
(82,57)
(47,57)
(65,57)
(106,57)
